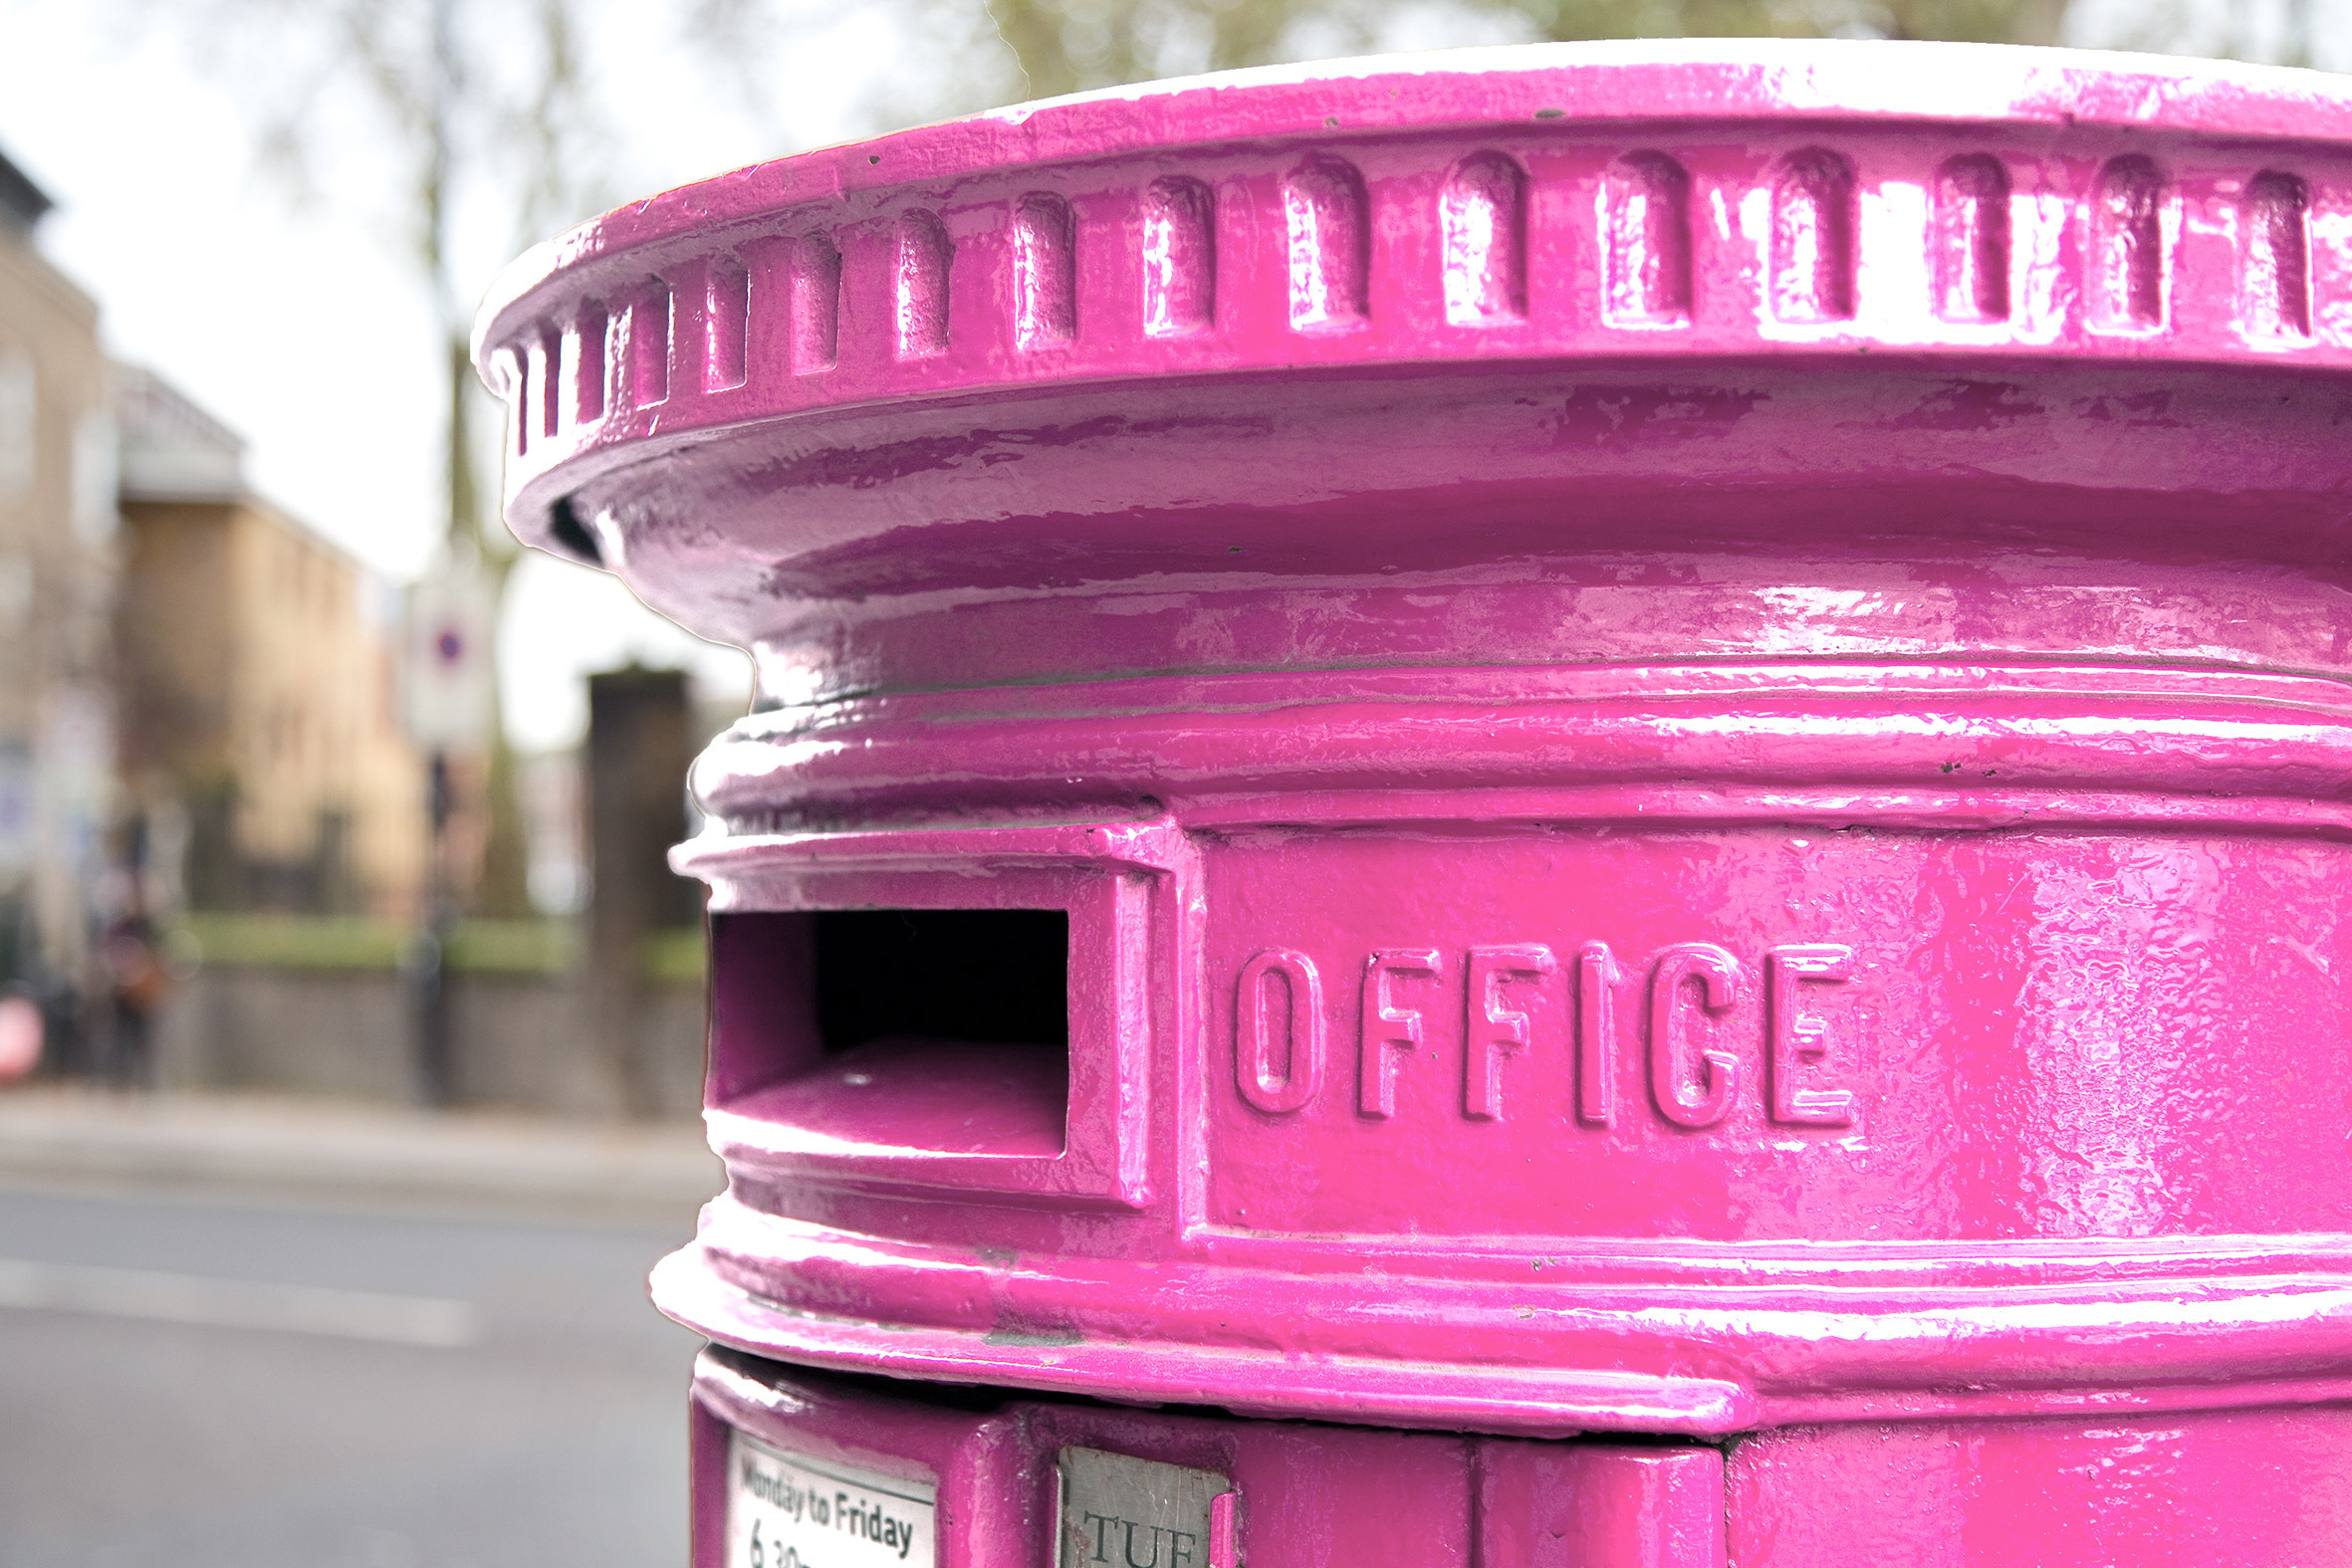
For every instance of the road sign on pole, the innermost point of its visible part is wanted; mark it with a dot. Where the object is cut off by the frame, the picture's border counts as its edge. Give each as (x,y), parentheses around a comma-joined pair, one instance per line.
(450,660)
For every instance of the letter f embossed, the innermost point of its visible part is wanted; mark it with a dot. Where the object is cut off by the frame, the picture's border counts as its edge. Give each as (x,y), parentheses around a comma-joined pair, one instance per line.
(1387,1028)
(1496,1031)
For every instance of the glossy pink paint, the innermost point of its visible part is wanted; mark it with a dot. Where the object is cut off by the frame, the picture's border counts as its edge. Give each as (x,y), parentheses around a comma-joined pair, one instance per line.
(1688,705)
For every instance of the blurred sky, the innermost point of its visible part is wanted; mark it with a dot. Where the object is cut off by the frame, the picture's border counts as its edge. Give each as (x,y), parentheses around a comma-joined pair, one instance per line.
(206,272)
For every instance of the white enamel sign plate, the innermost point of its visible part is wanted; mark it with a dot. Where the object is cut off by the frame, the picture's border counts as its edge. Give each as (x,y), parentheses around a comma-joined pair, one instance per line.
(786,1512)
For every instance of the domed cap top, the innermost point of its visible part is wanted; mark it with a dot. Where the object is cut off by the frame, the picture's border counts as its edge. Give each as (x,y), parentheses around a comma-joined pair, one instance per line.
(1525,205)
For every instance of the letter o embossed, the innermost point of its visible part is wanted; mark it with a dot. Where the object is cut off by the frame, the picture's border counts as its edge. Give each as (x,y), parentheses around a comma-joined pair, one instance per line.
(1300,1073)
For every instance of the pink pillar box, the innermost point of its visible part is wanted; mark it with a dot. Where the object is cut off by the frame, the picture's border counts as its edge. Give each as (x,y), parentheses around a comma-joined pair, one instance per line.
(1610,786)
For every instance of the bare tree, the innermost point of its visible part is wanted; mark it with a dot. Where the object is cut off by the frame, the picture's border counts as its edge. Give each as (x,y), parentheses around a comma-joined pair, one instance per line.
(495,137)
(1008,49)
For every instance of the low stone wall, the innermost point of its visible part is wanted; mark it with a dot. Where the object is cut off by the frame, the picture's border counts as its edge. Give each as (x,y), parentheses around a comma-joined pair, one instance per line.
(515,1041)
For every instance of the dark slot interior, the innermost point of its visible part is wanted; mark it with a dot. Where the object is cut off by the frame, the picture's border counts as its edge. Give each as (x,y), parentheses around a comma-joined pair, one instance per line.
(985,975)
(900,1031)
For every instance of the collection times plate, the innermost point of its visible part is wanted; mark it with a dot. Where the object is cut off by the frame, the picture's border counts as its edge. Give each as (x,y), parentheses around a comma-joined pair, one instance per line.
(786,1512)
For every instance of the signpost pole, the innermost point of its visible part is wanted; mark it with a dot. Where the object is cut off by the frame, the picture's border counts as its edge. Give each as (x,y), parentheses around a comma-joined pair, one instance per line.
(448,670)
(429,970)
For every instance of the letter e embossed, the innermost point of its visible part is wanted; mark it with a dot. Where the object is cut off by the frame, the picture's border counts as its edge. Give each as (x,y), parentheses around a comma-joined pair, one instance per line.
(1798,1040)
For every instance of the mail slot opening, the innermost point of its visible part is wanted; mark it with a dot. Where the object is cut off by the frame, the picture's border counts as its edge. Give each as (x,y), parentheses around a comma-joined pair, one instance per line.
(981,976)
(944,1031)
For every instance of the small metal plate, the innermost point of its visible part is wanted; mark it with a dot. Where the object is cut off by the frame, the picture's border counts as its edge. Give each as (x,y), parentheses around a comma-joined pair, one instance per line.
(785,1511)
(1124,1512)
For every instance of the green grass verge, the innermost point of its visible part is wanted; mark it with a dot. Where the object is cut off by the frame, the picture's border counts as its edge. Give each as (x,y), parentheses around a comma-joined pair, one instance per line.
(478,947)
(673,958)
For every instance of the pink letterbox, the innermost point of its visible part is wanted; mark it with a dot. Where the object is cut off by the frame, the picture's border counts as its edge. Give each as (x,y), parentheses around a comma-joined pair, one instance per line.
(1546,806)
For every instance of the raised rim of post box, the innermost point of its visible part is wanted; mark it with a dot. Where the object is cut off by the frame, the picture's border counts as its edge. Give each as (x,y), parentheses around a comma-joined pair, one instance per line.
(1106,877)
(2081,743)
(1631,1359)
(1073,241)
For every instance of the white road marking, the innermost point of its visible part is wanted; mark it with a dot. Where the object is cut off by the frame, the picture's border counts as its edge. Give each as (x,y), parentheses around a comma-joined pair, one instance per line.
(435,1322)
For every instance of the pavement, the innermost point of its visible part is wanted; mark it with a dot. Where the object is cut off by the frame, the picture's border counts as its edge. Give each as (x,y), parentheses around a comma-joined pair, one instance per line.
(349,1155)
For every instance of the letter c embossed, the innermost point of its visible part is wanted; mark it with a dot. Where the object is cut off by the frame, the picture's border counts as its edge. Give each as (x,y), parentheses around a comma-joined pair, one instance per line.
(1300,1077)
(1692,1088)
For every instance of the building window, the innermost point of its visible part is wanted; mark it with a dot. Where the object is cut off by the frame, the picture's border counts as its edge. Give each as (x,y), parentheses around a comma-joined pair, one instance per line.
(97,478)
(19,389)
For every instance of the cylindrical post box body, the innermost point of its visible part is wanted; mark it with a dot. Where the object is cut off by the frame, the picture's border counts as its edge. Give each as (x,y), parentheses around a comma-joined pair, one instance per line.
(1582,806)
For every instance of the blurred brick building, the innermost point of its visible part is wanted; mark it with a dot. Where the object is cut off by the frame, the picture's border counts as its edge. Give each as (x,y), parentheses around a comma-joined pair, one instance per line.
(58,546)
(261,734)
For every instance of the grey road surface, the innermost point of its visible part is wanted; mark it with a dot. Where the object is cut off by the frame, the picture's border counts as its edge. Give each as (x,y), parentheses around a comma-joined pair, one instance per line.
(188,1384)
